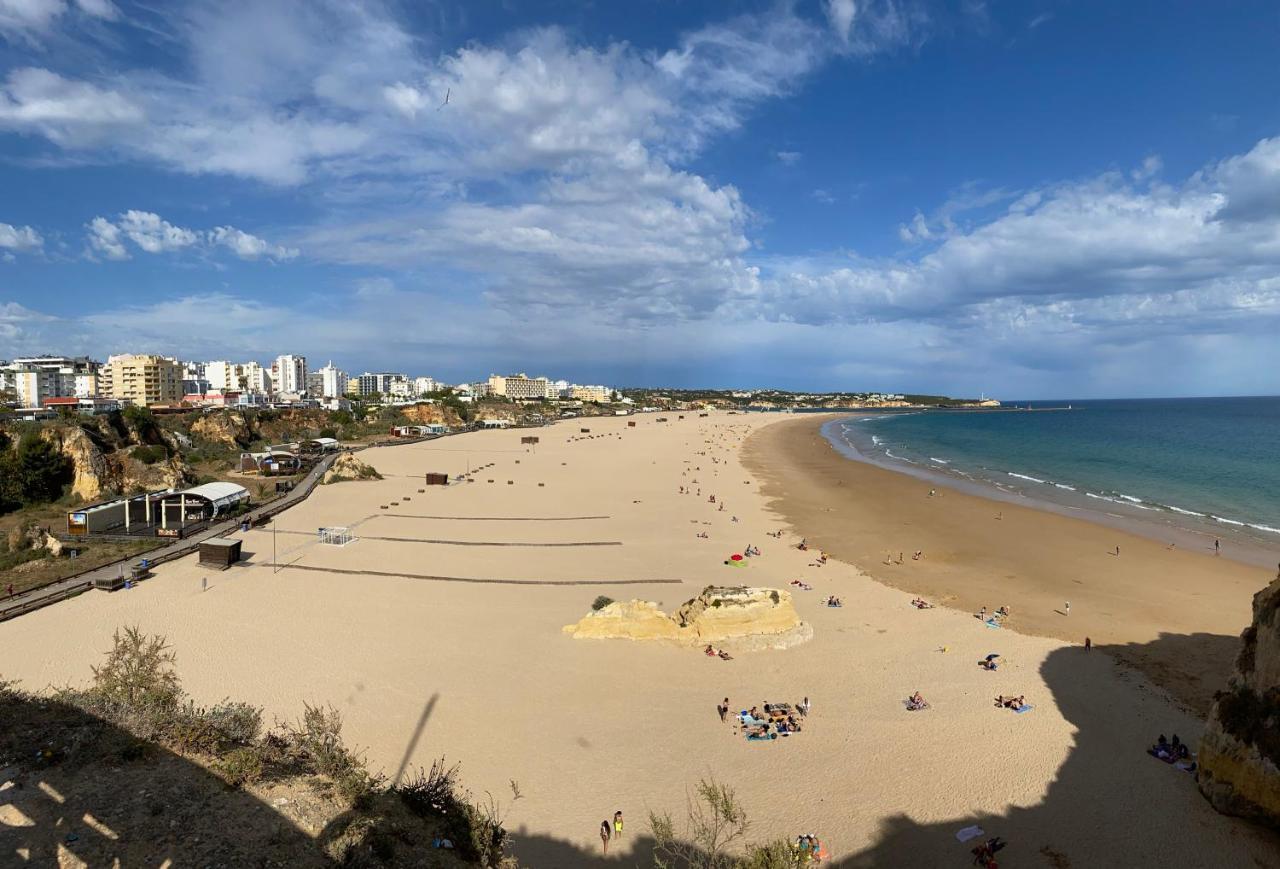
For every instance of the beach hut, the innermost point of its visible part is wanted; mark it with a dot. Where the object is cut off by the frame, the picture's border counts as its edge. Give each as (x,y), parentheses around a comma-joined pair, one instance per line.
(437,479)
(585,430)
(529,440)
(219,552)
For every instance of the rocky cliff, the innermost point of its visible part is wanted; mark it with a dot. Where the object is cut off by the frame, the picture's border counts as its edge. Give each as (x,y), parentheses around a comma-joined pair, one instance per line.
(106,463)
(747,618)
(1239,761)
(432,414)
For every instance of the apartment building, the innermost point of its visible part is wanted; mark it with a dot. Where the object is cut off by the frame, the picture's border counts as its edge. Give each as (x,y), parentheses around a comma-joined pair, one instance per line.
(33,379)
(289,374)
(371,383)
(423,385)
(142,379)
(521,386)
(590,393)
(244,377)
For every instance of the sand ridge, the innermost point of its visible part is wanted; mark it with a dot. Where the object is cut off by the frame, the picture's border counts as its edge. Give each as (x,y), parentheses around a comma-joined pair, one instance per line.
(587,727)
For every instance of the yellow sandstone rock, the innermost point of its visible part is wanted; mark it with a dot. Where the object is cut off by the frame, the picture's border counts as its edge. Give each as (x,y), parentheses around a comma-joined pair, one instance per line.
(747,618)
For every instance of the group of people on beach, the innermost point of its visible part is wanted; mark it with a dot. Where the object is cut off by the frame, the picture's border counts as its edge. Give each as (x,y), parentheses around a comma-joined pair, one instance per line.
(1014,703)
(712,652)
(1170,752)
(768,720)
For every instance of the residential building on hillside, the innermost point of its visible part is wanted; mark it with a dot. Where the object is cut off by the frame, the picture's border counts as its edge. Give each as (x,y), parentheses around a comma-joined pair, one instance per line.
(245,377)
(521,386)
(289,374)
(142,379)
(590,393)
(35,378)
(423,385)
(371,383)
(401,388)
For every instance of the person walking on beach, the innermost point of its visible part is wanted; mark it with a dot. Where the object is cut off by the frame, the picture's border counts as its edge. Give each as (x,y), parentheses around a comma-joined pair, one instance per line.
(605,834)
(1088,644)
(617,823)
(1217,546)
(1117,551)
(1068,607)
(723,709)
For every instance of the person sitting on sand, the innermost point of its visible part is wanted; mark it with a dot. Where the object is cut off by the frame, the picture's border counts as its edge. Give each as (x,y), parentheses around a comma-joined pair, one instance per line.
(724,656)
(802,544)
(915,703)
(915,556)
(709,651)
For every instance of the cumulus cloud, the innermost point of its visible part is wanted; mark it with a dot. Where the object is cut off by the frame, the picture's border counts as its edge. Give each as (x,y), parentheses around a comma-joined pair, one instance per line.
(22,238)
(248,246)
(151,233)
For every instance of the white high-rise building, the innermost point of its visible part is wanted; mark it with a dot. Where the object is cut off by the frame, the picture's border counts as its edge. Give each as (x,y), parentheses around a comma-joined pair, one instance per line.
(36,378)
(333,381)
(422,385)
(289,374)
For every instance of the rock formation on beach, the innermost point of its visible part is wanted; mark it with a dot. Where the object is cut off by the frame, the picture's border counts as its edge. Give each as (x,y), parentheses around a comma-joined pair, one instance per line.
(106,460)
(348,467)
(1239,762)
(747,618)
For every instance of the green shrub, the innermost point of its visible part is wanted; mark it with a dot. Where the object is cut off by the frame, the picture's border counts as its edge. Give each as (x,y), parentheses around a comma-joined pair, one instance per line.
(241,766)
(149,455)
(601,602)
(319,737)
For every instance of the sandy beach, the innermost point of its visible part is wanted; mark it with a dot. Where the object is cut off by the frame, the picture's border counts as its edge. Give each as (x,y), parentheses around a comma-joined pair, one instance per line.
(438,632)
(1174,613)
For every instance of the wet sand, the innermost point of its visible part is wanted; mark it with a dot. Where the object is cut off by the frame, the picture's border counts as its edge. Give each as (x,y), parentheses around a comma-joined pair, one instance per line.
(980,552)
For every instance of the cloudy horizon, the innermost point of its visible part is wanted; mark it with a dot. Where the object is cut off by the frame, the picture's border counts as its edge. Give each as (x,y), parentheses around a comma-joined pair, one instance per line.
(1026,200)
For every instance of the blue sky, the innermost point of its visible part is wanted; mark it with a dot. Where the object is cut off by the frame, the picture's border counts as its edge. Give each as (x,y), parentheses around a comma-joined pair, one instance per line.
(1030,199)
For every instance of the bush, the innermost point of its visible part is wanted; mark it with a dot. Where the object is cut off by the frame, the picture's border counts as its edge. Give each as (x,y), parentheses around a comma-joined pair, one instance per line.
(715,821)
(149,455)
(319,736)
(433,792)
(601,602)
(138,673)
(241,766)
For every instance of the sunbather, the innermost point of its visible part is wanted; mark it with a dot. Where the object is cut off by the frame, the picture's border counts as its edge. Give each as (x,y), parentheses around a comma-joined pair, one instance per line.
(915,703)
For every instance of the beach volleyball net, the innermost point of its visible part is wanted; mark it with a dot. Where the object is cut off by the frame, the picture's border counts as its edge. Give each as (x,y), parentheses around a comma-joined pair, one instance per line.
(338,535)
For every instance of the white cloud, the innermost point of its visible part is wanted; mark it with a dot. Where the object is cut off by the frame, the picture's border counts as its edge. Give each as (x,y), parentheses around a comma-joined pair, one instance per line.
(153,234)
(788,158)
(248,246)
(105,238)
(22,238)
(70,113)
(33,17)
(841,14)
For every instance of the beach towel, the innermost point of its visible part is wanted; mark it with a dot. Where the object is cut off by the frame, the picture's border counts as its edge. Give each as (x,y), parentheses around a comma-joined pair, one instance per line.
(1025,707)
(968,833)
(992,623)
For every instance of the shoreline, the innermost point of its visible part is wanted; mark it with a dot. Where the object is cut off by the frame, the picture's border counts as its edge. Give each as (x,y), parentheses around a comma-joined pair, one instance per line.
(1242,547)
(1032,559)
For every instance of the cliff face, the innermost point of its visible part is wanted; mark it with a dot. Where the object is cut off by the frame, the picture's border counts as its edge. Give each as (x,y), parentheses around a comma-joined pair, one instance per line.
(1239,762)
(432,414)
(231,428)
(749,618)
(104,464)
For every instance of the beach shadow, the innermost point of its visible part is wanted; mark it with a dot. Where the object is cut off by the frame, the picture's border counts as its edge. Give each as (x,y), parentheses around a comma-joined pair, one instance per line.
(1095,812)
(1087,816)
(85,790)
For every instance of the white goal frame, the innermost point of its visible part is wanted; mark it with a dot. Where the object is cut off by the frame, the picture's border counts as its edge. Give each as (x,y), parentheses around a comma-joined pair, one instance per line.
(337,535)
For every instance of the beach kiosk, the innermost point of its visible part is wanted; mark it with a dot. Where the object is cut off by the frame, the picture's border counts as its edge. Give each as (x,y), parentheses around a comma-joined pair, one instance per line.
(219,552)
(437,479)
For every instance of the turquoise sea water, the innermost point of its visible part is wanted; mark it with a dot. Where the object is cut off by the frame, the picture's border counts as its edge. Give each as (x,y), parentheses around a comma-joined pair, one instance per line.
(1206,464)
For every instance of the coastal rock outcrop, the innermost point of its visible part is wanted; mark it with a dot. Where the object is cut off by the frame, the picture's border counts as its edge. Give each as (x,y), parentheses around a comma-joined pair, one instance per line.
(432,414)
(99,472)
(747,618)
(1239,761)
(348,467)
(231,428)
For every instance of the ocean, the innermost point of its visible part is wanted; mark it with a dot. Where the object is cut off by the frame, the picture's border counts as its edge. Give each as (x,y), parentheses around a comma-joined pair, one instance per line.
(1210,465)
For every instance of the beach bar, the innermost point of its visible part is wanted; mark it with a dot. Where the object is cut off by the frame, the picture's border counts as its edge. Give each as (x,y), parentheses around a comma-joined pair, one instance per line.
(121,516)
(199,504)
